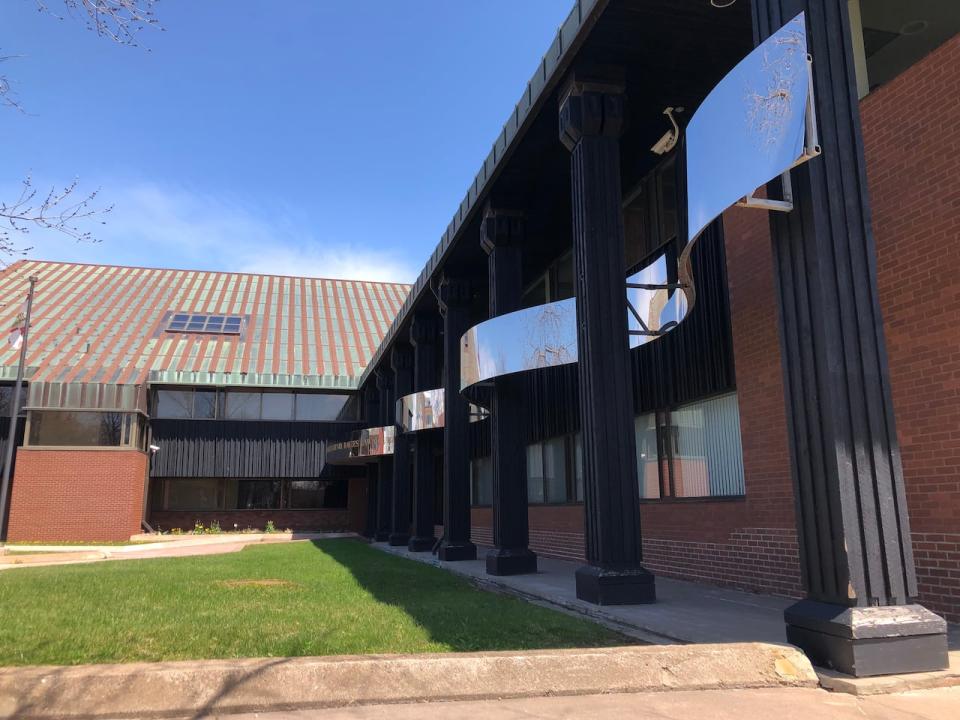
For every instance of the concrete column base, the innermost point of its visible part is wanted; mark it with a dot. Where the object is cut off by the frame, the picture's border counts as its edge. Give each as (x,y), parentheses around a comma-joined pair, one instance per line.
(454,552)
(511,561)
(421,544)
(398,539)
(867,641)
(609,586)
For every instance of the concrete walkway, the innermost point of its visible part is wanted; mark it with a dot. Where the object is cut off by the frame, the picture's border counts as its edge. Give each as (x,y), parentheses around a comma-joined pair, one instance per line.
(684,611)
(780,703)
(171,546)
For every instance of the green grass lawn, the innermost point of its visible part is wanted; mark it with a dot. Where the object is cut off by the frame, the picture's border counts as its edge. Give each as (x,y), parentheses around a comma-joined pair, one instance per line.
(326,597)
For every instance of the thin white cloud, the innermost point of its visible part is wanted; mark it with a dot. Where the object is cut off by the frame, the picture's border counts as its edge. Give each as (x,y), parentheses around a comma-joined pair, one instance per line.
(161,226)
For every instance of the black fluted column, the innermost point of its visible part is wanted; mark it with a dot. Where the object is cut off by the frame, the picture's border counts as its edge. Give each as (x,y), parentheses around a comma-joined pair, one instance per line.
(401,360)
(455,297)
(590,126)
(852,520)
(385,481)
(424,331)
(371,416)
(502,235)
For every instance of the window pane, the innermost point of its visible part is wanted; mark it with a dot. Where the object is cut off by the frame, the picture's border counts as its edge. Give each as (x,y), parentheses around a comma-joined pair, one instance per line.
(318,407)
(708,459)
(555,470)
(535,492)
(82,429)
(578,465)
(243,406)
(308,494)
(258,494)
(194,326)
(177,325)
(277,406)
(181,318)
(174,403)
(205,404)
(481,481)
(214,326)
(192,494)
(648,461)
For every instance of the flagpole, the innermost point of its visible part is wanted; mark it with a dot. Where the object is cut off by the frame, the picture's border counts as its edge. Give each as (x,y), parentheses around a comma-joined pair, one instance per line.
(14,411)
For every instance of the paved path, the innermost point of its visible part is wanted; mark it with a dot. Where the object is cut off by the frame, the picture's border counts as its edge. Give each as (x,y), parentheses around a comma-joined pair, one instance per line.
(185,546)
(781,704)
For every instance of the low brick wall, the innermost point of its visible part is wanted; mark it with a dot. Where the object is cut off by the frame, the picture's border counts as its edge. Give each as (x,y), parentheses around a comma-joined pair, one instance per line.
(76,495)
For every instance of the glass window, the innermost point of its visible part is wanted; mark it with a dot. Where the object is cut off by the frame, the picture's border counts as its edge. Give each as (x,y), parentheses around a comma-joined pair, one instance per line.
(535,492)
(258,494)
(692,451)
(578,466)
(481,481)
(319,407)
(174,404)
(205,404)
(243,406)
(77,428)
(191,494)
(277,406)
(555,470)
(648,459)
(202,323)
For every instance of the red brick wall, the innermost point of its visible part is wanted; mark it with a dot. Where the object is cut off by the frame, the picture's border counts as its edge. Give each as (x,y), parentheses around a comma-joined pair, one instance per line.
(912,141)
(349,519)
(68,495)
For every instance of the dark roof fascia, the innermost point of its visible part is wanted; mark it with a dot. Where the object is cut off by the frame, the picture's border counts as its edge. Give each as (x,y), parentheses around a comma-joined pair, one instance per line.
(570,36)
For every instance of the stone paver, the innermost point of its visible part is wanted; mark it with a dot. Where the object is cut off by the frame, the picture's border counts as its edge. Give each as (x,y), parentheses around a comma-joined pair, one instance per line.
(782,704)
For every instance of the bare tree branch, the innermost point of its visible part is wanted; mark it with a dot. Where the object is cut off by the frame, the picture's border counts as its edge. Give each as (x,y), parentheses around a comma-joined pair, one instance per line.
(7,97)
(61,210)
(118,20)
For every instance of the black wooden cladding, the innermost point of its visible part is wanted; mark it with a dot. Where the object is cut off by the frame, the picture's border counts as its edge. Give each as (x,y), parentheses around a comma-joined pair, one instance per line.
(241,449)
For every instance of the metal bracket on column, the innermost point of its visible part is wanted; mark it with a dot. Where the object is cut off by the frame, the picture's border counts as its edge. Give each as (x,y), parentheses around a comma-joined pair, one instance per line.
(811,149)
(646,331)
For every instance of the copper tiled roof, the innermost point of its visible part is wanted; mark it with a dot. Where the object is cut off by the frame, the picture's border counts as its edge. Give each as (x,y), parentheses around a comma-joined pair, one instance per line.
(107,324)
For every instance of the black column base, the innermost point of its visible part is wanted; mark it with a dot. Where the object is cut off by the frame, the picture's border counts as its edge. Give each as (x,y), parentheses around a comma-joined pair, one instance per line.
(368,534)
(866,641)
(398,539)
(507,561)
(421,544)
(609,586)
(454,552)
(382,536)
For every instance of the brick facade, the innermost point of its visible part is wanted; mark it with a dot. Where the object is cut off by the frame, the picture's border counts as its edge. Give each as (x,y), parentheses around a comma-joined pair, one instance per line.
(912,142)
(76,495)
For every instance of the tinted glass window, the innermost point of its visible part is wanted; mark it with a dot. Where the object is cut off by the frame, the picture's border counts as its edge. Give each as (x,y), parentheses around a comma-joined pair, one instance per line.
(319,407)
(174,403)
(205,404)
(258,494)
(277,406)
(81,429)
(243,406)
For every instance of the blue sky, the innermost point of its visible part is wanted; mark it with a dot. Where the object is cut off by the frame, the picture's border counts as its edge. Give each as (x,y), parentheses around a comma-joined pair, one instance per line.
(322,138)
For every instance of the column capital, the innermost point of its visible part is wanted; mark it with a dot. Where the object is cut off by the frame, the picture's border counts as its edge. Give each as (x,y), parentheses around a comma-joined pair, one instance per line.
(501,228)
(453,292)
(592,104)
(424,330)
(401,357)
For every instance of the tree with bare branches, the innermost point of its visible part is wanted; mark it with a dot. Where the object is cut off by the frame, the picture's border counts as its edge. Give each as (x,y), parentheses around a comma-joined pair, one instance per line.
(66,209)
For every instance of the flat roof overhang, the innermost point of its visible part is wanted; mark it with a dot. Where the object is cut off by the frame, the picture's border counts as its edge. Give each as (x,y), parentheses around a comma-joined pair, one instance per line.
(671,52)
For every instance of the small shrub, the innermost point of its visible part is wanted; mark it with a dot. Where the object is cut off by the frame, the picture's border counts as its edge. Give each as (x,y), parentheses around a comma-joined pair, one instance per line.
(176,531)
(198,528)
(214,528)
(270,528)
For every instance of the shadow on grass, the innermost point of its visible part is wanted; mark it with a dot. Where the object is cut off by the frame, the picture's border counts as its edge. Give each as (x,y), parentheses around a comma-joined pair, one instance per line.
(456,613)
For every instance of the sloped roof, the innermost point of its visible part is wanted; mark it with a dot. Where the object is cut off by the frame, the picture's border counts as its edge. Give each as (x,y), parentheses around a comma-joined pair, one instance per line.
(107,324)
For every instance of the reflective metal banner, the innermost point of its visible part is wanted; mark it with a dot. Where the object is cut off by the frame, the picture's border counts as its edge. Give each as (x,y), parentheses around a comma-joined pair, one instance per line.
(750,128)
(367,443)
(537,337)
(656,301)
(425,411)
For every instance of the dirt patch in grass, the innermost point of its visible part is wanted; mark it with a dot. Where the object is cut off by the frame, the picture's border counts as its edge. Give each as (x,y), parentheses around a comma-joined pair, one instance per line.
(265,582)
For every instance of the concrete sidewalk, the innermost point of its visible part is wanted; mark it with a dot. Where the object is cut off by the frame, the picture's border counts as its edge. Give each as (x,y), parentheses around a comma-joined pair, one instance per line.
(780,703)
